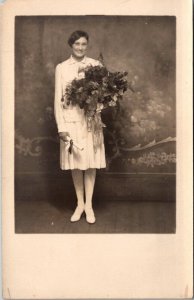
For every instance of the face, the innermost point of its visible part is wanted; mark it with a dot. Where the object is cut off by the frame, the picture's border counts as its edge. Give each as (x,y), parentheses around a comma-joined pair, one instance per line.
(79,47)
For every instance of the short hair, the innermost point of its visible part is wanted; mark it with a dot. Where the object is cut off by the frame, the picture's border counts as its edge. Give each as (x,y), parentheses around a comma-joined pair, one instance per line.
(76,35)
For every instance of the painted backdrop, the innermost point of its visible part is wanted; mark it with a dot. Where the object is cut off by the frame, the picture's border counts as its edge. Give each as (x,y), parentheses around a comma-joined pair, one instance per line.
(140,137)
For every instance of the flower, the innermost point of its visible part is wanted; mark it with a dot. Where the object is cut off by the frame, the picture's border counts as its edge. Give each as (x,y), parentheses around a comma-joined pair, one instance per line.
(98,85)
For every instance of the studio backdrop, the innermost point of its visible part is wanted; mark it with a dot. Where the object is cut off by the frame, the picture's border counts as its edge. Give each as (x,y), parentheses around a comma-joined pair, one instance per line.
(140,136)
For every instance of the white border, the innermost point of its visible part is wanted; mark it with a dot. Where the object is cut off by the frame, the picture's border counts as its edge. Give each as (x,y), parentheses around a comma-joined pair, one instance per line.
(104,265)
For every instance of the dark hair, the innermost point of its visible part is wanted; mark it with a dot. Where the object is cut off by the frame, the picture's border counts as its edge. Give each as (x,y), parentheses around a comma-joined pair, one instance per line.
(76,35)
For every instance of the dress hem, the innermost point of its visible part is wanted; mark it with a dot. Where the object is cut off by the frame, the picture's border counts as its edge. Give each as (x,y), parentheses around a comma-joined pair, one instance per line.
(82,169)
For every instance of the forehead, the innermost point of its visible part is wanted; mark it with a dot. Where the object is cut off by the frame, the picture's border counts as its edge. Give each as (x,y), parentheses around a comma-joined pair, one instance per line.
(81,40)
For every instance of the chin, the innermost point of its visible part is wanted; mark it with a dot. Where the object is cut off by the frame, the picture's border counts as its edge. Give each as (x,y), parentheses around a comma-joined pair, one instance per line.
(80,55)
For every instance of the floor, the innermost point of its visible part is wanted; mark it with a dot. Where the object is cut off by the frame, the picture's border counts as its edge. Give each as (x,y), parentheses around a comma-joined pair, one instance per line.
(112,216)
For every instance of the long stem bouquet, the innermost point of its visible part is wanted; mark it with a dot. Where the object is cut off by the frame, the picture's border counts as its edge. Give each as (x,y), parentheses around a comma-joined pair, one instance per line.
(97,90)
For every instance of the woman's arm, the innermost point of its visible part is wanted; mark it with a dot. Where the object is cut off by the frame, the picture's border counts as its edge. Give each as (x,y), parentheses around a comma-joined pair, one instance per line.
(64,136)
(58,109)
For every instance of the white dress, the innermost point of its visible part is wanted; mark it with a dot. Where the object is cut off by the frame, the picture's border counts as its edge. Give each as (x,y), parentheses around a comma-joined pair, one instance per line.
(72,119)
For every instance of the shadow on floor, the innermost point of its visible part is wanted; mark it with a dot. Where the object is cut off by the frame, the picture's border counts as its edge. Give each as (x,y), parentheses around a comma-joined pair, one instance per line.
(135,203)
(112,216)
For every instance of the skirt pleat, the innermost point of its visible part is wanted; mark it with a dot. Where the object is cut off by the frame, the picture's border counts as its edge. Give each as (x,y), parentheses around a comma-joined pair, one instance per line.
(92,155)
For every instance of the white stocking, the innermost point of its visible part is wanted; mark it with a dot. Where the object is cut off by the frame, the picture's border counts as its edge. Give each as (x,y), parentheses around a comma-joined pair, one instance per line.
(89,181)
(78,182)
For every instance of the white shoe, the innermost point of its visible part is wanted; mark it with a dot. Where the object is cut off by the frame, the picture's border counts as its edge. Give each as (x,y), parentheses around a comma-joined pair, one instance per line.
(90,217)
(77,214)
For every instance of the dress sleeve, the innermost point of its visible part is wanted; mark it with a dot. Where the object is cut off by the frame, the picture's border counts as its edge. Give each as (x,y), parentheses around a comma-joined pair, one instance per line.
(58,109)
(98,63)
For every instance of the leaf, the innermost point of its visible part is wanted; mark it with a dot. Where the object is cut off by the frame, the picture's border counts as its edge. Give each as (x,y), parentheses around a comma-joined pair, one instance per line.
(94,92)
(112,103)
(121,92)
(88,100)
(80,89)
(115,98)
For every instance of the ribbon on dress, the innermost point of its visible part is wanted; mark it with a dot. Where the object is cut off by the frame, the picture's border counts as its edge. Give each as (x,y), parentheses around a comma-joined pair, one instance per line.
(95,125)
(70,143)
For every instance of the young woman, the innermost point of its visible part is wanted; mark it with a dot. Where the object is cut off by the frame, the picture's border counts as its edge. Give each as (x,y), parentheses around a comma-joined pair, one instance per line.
(72,124)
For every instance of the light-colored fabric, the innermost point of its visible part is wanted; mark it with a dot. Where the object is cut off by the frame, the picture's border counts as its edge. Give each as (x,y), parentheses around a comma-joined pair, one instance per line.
(72,119)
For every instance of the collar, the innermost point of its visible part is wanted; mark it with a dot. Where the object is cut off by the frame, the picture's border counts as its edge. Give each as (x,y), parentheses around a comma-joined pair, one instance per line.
(73,61)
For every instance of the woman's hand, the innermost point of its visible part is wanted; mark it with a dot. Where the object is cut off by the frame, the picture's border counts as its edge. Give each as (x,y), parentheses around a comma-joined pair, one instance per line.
(63,136)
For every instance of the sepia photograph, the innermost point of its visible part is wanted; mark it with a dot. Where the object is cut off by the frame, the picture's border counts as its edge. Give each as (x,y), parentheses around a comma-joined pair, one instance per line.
(95,124)
(97,153)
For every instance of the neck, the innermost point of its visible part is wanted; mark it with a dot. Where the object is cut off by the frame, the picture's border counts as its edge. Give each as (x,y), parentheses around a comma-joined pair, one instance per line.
(78,58)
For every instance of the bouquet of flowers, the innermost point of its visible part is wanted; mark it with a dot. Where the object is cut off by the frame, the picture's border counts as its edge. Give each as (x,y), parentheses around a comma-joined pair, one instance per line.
(97,90)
